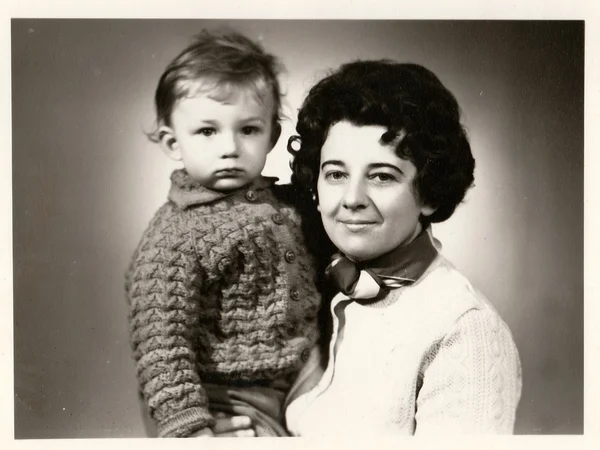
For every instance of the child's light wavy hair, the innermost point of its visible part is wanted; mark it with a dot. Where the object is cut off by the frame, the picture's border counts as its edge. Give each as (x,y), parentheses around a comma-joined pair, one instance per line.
(219,64)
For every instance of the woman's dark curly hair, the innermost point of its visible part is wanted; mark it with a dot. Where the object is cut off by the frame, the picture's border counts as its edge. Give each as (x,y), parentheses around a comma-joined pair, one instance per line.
(422,118)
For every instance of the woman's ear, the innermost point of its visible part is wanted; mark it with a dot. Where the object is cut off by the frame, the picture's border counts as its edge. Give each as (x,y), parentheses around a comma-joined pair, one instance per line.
(169,144)
(315,200)
(427,210)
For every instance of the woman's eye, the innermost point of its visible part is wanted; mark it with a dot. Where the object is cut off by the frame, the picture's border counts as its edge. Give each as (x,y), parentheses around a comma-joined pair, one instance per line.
(335,175)
(383,177)
(248,130)
(207,131)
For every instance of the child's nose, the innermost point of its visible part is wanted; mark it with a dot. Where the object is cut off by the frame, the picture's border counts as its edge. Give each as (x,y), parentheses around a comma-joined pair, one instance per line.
(229,145)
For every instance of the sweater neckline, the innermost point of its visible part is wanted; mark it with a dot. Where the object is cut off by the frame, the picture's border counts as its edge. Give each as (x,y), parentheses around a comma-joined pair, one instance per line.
(186,192)
(412,261)
(379,306)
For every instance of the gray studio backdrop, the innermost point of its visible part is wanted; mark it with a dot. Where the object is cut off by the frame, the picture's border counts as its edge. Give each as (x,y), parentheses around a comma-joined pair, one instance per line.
(86,181)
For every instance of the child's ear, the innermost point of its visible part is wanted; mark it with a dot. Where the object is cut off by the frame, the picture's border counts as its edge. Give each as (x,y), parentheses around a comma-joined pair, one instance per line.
(275,133)
(168,143)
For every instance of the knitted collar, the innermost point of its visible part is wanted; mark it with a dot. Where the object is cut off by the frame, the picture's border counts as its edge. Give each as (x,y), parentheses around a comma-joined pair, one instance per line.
(186,192)
(400,267)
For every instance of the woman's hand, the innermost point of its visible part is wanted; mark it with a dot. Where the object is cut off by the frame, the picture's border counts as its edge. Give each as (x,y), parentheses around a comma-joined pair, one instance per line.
(204,432)
(236,426)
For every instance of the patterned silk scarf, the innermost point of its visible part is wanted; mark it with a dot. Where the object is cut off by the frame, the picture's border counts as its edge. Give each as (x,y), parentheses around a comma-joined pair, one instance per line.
(400,267)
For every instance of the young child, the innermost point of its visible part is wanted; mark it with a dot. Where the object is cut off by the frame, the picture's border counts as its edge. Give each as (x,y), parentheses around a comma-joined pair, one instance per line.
(221,289)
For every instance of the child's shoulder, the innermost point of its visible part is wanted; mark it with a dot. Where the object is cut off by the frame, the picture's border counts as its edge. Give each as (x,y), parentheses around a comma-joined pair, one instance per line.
(168,219)
(291,195)
(284,193)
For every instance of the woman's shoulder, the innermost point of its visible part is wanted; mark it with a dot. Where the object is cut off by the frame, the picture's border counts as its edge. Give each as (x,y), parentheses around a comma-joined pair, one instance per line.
(472,310)
(446,283)
(445,294)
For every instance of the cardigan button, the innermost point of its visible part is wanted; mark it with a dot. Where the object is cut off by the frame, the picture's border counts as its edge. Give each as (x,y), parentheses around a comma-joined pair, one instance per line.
(290,256)
(305,355)
(295,294)
(277,218)
(251,196)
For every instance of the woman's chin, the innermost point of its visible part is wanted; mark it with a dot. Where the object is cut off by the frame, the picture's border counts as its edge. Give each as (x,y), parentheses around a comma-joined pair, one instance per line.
(359,254)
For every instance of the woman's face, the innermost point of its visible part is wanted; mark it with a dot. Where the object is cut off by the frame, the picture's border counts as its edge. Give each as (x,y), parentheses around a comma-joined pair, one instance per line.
(365,192)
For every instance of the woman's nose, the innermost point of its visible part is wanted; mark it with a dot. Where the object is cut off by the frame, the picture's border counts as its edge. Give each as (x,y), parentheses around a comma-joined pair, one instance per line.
(355,195)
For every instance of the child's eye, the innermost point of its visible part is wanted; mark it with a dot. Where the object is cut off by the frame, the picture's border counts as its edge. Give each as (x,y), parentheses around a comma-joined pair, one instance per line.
(335,175)
(250,129)
(206,131)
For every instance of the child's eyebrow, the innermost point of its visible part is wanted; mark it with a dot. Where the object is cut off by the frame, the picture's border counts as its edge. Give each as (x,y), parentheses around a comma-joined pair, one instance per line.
(253,119)
(335,162)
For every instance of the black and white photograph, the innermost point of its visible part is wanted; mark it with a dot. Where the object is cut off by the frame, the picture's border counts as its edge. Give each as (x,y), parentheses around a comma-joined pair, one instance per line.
(310,227)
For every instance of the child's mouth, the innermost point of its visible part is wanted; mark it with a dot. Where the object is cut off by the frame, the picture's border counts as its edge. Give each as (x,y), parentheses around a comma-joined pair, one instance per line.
(228,172)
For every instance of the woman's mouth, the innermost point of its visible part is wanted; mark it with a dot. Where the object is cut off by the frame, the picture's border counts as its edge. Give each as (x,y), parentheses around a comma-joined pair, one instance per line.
(357,225)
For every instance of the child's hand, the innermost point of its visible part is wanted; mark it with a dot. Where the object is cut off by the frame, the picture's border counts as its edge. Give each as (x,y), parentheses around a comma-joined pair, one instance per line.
(236,426)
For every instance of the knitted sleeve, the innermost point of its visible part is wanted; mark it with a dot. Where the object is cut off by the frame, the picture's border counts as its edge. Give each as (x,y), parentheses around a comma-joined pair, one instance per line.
(471,382)
(161,289)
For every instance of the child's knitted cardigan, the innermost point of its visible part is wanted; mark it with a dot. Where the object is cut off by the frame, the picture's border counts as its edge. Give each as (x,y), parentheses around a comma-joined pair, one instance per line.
(221,289)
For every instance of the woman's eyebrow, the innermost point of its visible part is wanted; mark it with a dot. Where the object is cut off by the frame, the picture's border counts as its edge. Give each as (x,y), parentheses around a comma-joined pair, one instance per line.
(335,162)
(383,165)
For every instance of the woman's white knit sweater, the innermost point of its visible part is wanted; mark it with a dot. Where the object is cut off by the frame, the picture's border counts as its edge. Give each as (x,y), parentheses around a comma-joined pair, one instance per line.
(435,358)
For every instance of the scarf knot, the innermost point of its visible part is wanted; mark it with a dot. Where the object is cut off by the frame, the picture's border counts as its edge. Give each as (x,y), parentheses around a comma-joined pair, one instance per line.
(370,279)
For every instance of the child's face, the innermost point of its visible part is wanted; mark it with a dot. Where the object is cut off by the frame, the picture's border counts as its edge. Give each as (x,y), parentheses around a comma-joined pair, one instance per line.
(222,144)
(365,191)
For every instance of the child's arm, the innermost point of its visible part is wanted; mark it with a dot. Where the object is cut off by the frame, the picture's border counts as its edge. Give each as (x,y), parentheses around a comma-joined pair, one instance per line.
(163,317)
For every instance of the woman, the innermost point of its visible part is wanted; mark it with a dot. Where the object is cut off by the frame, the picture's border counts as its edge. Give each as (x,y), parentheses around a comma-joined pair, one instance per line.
(414,348)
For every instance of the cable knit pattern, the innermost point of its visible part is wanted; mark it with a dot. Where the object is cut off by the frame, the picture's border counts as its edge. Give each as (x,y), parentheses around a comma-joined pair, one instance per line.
(433,358)
(221,289)
(473,378)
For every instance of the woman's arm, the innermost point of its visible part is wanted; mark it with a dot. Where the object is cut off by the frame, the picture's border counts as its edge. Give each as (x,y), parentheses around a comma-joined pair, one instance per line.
(471,382)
